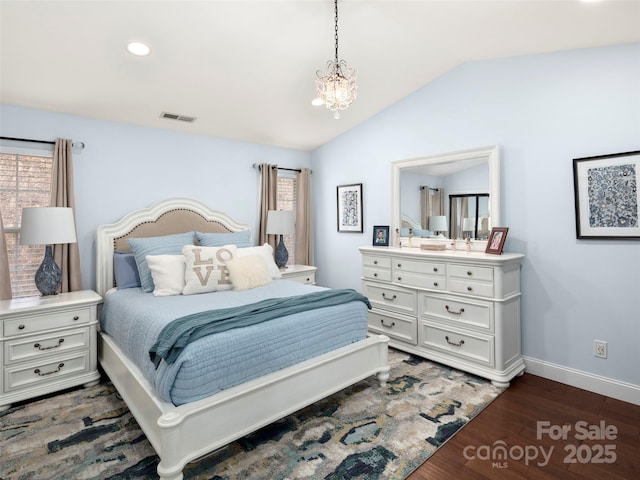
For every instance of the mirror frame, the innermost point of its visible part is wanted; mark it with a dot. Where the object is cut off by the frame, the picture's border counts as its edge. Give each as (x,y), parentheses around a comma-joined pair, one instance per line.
(490,154)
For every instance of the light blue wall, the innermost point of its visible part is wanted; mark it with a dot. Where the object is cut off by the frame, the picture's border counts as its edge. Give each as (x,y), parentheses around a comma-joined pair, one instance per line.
(543,111)
(124,167)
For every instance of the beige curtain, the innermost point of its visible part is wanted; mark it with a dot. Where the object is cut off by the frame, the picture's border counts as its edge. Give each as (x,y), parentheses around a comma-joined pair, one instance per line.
(67,256)
(304,224)
(431,203)
(5,280)
(268,201)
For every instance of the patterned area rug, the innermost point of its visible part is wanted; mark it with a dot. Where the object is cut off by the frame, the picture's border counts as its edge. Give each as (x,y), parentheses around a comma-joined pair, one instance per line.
(362,432)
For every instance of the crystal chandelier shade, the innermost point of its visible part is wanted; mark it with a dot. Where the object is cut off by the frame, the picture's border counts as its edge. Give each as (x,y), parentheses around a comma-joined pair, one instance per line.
(337,87)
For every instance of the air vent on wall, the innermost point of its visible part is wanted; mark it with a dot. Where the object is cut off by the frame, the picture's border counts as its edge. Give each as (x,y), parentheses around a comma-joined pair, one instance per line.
(175,116)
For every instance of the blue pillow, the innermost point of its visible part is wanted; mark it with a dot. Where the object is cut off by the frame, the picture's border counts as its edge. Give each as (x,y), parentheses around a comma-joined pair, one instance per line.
(165,245)
(240,239)
(125,270)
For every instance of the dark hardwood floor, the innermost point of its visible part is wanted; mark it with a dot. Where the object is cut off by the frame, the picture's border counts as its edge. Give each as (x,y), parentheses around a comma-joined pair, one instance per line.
(511,421)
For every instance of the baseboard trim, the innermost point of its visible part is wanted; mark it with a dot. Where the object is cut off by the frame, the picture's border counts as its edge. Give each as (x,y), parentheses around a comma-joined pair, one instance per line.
(626,392)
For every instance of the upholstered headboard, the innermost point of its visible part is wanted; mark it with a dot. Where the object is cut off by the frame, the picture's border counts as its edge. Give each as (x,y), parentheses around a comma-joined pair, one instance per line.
(175,215)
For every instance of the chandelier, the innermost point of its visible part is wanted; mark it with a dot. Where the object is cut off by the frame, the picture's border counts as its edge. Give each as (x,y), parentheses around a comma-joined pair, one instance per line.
(337,87)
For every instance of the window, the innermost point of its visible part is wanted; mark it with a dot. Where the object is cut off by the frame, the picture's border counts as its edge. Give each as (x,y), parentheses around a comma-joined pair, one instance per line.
(287,188)
(25,181)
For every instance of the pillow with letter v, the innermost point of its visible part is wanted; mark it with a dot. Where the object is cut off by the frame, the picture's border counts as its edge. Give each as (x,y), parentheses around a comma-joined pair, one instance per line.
(205,268)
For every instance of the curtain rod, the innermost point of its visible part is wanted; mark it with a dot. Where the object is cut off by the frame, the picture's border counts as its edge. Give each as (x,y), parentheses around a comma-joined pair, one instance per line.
(255,165)
(79,145)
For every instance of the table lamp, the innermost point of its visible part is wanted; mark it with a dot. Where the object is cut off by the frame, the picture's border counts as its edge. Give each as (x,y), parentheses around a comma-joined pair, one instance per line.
(438,223)
(47,226)
(280,222)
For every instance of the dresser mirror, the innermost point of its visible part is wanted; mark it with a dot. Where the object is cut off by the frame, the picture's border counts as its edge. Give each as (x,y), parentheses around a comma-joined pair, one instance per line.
(450,195)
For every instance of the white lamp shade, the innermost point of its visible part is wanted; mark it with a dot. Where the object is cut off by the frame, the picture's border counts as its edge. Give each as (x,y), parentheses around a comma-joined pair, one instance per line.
(438,223)
(469,224)
(47,226)
(280,222)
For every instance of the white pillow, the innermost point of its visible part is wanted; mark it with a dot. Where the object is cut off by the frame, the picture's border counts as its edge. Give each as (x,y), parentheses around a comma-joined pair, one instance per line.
(205,269)
(167,272)
(266,253)
(247,272)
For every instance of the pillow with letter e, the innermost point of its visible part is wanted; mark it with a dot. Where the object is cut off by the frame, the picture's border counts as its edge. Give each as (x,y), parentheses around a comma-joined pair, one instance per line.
(205,268)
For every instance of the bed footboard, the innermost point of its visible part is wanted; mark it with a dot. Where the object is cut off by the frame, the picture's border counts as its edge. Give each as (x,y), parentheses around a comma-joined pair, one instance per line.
(176,433)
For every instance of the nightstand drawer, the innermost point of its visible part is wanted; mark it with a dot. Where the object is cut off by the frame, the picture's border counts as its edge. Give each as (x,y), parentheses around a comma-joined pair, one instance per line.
(59,367)
(475,347)
(398,326)
(47,321)
(23,348)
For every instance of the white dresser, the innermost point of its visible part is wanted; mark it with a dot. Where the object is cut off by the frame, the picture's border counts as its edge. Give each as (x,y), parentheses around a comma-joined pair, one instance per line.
(458,308)
(47,344)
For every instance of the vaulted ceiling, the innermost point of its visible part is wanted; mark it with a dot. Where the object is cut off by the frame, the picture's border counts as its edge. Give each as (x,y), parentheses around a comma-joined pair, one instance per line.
(246,69)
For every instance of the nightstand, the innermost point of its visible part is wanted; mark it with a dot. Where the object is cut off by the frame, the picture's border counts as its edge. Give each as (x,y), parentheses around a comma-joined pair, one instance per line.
(300,273)
(47,344)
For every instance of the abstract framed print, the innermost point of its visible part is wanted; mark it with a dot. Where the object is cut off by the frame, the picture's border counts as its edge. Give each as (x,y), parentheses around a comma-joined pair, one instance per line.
(607,199)
(350,208)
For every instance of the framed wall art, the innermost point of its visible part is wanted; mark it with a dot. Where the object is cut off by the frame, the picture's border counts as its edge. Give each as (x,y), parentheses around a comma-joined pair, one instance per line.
(350,208)
(496,240)
(380,236)
(607,199)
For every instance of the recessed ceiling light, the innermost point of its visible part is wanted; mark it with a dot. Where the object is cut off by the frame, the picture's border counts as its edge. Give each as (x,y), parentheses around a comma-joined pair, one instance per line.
(139,49)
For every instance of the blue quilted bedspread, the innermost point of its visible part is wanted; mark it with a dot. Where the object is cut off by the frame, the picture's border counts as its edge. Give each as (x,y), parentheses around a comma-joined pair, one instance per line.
(214,362)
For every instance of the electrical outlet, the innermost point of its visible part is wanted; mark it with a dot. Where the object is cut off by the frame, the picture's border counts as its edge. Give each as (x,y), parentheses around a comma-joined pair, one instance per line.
(599,349)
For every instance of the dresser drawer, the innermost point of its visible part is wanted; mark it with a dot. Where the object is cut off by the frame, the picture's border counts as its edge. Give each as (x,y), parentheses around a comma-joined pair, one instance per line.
(471,272)
(470,288)
(468,313)
(378,262)
(471,346)
(421,267)
(374,273)
(59,367)
(397,326)
(22,348)
(47,321)
(391,298)
(417,280)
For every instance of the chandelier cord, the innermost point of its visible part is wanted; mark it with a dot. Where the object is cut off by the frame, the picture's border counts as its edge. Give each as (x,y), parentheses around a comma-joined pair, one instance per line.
(336,29)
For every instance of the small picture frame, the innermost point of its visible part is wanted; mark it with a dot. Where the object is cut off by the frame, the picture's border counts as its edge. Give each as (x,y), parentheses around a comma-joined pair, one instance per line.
(381,236)
(496,240)
(607,198)
(350,208)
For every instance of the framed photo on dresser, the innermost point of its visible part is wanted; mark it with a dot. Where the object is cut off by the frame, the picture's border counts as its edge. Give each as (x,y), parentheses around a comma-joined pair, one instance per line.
(496,240)
(380,236)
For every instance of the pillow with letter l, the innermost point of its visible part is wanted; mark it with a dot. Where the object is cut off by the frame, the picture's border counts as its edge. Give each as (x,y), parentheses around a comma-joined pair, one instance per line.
(205,268)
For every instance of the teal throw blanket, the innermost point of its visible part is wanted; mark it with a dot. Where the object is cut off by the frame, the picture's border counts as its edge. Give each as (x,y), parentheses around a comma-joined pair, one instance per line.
(177,334)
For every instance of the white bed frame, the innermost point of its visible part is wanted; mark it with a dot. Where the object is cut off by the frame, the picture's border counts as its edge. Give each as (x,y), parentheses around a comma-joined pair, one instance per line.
(182,434)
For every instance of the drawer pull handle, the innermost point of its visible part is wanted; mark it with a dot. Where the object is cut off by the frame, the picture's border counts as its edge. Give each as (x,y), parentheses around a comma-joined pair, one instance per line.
(399,279)
(459,312)
(40,347)
(393,324)
(391,299)
(375,274)
(20,327)
(469,273)
(76,317)
(469,288)
(399,265)
(435,284)
(435,269)
(375,262)
(459,344)
(40,374)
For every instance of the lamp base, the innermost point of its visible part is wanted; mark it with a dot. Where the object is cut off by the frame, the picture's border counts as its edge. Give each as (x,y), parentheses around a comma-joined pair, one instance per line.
(281,256)
(48,274)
